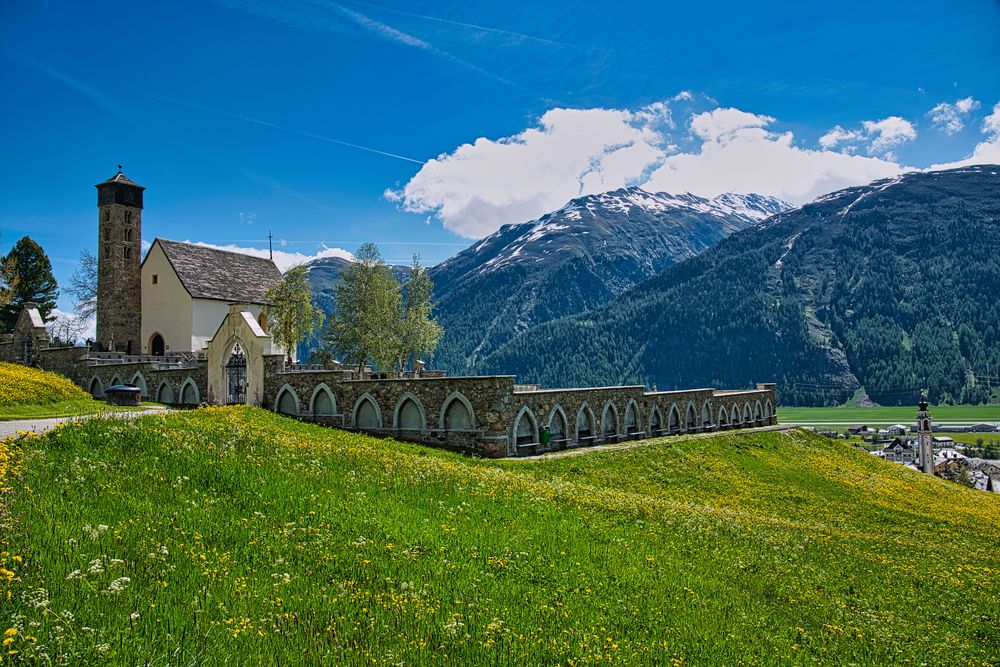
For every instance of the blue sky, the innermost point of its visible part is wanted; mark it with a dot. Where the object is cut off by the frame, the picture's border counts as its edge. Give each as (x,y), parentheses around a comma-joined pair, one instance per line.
(230,112)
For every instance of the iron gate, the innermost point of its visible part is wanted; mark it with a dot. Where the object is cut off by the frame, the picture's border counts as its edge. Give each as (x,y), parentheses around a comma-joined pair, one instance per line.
(236,376)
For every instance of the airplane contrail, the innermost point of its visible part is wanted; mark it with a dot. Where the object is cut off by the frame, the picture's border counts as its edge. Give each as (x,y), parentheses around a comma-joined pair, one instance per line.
(473,26)
(264,123)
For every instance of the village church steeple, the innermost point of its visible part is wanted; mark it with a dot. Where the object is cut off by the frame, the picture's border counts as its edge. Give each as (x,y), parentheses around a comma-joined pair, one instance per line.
(119,250)
(925,437)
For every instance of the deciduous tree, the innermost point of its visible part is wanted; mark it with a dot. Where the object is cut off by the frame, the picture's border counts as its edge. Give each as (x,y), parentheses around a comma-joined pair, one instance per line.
(83,285)
(419,333)
(364,326)
(291,315)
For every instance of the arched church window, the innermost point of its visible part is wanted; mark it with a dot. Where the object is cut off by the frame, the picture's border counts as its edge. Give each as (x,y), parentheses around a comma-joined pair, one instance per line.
(128,217)
(126,252)
(128,234)
(107,214)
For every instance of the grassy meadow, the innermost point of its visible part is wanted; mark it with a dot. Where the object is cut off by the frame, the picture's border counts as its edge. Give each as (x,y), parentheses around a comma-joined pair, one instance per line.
(902,414)
(236,536)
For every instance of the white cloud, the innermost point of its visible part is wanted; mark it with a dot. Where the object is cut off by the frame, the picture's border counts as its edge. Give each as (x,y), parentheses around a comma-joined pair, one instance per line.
(888,133)
(881,137)
(838,135)
(986,151)
(480,186)
(284,260)
(740,154)
(991,124)
(726,125)
(950,118)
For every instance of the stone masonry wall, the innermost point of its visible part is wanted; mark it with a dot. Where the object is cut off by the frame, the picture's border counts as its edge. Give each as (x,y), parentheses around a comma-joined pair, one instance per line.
(162,385)
(489,398)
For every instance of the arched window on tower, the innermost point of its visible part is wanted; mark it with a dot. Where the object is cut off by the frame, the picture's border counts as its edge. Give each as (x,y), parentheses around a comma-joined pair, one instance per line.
(107,233)
(128,234)
(126,252)
(107,215)
(128,217)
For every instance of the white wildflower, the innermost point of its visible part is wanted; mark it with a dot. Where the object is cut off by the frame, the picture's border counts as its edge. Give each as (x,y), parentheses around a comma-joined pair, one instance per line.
(118,585)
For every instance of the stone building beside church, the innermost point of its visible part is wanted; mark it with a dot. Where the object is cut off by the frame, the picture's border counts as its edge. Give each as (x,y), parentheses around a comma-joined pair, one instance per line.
(185,327)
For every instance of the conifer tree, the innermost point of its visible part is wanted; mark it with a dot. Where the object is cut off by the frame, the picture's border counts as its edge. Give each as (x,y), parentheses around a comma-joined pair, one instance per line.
(8,281)
(31,274)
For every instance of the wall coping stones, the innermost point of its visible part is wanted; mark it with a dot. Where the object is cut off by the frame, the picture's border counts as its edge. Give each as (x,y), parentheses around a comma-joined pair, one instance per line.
(577,389)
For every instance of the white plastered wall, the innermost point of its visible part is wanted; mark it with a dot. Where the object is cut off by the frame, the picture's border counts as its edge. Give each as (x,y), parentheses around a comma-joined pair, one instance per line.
(207,315)
(166,306)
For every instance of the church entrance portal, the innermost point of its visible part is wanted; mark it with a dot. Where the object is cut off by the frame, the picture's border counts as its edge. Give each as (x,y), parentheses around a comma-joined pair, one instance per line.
(236,376)
(156,346)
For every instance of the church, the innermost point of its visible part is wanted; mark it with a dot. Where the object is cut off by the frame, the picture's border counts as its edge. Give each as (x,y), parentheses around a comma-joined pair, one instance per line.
(185,327)
(173,300)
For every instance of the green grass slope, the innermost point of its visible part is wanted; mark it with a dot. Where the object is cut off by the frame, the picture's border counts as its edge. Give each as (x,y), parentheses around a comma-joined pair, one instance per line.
(30,393)
(21,385)
(235,536)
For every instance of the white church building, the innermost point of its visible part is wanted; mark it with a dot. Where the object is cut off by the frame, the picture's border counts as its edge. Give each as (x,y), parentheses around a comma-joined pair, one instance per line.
(187,289)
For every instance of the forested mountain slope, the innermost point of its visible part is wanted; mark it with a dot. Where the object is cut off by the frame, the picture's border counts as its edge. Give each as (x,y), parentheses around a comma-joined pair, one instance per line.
(894,286)
(568,261)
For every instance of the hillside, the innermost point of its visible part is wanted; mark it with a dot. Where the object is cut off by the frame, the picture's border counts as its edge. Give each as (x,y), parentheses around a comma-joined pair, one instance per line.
(890,286)
(574,259)
(21,385)
(566,262)
(235,535)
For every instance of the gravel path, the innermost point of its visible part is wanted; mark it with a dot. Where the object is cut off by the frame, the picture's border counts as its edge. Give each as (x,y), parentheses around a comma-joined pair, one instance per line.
(9,428)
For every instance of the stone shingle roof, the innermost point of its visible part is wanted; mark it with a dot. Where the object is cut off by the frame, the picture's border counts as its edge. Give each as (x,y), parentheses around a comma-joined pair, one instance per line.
(210,273)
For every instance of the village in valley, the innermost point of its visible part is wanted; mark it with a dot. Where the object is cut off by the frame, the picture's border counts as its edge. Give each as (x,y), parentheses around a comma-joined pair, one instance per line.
(469,334)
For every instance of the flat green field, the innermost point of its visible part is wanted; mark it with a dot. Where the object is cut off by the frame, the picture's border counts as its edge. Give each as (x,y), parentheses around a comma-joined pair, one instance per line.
(236,536)
(903,414)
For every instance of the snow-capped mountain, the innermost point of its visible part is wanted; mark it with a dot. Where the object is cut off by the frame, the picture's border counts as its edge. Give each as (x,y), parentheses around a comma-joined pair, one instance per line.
(891,286)
(573,259)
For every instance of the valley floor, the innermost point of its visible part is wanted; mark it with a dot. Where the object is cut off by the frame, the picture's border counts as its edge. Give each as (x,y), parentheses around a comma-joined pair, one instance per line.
(965,414)
(234,535)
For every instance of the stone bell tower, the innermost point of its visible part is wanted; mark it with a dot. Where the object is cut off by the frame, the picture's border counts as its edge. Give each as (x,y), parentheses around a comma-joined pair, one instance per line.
(119,250)
(925,438)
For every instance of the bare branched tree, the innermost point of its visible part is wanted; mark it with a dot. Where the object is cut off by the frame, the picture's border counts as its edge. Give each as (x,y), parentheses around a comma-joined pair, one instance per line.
(83,285)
